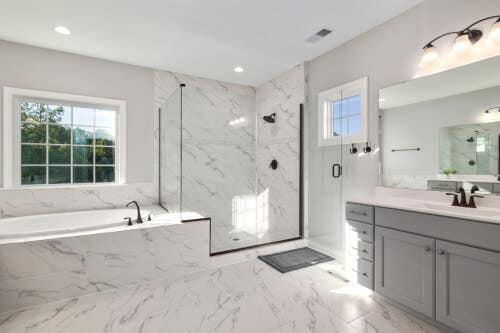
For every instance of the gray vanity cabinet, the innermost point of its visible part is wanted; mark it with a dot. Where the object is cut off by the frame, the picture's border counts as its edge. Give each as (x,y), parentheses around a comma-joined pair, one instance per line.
(404,269)
(467,292)
(359,242)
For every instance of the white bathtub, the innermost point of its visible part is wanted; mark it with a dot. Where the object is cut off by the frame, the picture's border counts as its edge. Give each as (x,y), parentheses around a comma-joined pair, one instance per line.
(74,222)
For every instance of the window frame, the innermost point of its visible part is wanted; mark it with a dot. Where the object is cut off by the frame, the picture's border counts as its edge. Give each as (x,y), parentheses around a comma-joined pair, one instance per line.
(325,113)
(12,129)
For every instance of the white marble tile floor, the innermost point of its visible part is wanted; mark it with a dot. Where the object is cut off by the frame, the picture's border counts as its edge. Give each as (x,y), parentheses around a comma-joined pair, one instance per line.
(244,297)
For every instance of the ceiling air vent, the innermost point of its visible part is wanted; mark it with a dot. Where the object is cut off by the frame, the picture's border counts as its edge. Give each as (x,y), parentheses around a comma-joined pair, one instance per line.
(319,35)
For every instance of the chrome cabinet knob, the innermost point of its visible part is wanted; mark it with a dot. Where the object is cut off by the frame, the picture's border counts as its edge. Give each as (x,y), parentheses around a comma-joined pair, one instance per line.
(441,252)
(427,249)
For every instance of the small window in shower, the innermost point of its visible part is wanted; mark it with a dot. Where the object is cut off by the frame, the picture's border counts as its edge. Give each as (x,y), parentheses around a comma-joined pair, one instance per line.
(343,114)
(67,141)
(347,116)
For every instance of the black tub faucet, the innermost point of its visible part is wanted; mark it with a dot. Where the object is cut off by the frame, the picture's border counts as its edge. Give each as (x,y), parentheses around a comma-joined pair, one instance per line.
(139,217)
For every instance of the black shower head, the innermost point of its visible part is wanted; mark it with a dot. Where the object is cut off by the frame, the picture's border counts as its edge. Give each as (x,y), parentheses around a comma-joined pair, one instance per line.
(270,119)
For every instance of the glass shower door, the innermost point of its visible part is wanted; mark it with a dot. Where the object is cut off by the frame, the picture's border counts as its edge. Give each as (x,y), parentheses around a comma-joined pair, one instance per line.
(218,161)
(170,153)
(325,229)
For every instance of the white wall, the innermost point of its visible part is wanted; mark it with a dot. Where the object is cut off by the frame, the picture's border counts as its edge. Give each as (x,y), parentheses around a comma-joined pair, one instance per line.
(387,54)
(30,67)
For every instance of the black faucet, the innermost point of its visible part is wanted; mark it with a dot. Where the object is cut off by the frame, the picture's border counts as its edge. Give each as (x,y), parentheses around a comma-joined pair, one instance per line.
(455,199)
(472,203)
(139,218)
(474,189)
(463,197)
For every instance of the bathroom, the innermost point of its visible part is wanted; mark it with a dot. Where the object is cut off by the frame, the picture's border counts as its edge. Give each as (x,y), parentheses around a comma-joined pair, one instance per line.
(172,166)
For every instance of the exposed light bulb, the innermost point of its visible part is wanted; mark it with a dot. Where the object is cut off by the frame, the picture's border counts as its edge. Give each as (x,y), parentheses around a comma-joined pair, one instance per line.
(430,55)
(462,44)
(495,31)
(238,69)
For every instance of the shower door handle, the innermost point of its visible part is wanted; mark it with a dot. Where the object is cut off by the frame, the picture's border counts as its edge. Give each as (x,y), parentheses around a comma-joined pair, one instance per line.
(336,170)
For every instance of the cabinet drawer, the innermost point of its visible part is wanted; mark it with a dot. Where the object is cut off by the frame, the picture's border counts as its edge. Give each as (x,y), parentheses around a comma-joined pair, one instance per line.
(361,249)
(359,231)
(363,270)
(359,212)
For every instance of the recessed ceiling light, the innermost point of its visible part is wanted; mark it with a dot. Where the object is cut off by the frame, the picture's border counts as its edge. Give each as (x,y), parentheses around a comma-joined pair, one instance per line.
(62,30)
(238,69)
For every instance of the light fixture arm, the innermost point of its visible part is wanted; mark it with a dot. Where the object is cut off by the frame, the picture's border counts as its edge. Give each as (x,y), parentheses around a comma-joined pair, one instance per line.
(429,44)
(466,30)
(493,108)
(482,20)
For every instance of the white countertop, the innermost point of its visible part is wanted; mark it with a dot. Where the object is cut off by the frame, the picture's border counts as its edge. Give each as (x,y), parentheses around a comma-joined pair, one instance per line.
(432,202)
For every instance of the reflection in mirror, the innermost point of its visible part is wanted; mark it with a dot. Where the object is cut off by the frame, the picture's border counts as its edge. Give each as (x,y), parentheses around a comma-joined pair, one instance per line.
(442,132)
(469,149)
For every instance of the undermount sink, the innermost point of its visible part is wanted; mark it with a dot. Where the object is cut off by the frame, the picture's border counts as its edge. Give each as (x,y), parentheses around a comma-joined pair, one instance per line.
(483,212)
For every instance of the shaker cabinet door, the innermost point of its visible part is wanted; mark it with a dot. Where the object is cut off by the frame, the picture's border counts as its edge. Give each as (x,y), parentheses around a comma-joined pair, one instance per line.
(467,288)
(404,269)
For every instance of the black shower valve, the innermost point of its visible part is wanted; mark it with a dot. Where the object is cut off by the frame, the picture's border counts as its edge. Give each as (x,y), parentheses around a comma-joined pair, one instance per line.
(274,164)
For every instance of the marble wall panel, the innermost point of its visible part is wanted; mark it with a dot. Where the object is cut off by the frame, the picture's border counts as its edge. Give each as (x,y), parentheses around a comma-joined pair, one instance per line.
(33,201)
(278,197)
(40,272)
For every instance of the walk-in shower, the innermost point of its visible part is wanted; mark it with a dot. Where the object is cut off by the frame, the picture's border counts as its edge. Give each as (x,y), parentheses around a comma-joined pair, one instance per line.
(212,162)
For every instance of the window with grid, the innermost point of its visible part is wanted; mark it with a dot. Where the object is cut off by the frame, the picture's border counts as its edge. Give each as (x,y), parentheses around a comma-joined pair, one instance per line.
(347,116)
(343,114)
(66,143)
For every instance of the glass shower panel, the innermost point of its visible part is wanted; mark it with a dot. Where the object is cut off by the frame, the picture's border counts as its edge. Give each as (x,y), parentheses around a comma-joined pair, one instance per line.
(218,168)
(170,153)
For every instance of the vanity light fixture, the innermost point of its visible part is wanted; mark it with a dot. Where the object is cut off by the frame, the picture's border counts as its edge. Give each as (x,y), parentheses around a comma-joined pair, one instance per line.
(491,109)
(62,30)
(463,41)
(491,116)
(238,69)
(495,31)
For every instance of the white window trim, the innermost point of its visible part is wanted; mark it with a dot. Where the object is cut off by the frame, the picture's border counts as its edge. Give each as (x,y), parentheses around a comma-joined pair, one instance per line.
(10,150)
(325,102)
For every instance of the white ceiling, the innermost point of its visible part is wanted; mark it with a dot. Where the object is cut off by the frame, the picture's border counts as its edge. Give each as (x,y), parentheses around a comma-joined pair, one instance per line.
(206,38)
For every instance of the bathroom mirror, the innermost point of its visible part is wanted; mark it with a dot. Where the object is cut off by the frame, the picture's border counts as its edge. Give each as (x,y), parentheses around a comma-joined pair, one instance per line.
(442,132)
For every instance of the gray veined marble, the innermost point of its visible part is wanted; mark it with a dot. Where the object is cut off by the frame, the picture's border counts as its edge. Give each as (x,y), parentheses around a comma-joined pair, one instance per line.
(44,271)
(226,151)
(244,297)
(34,201)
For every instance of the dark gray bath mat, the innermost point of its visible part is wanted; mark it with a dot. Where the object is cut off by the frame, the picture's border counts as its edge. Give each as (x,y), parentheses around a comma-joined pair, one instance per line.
(294,259)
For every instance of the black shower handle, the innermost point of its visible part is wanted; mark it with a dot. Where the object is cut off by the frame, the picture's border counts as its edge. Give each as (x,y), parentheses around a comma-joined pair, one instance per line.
(336,170)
